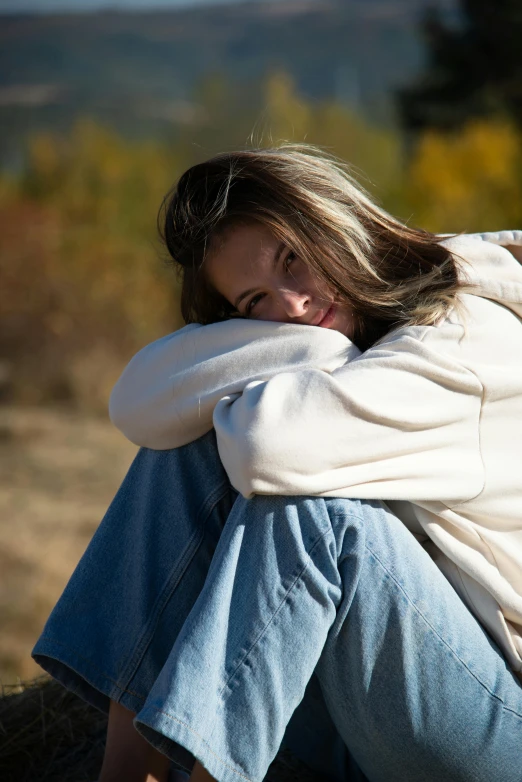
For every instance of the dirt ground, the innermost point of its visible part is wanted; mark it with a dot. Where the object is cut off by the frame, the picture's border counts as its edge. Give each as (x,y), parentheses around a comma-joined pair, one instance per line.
(58,473)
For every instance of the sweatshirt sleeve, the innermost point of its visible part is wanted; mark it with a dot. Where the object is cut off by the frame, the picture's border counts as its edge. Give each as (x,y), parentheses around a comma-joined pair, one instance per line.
(399,422)
(166,396)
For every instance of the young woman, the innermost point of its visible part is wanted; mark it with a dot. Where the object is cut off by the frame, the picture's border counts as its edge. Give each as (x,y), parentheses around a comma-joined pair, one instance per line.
(302,611)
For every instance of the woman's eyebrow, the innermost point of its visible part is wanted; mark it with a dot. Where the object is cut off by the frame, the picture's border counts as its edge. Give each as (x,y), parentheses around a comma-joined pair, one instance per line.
(278,250)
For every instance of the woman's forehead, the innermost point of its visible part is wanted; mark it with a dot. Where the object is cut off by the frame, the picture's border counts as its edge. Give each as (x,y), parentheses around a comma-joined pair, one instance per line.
(244,240)
(242,253)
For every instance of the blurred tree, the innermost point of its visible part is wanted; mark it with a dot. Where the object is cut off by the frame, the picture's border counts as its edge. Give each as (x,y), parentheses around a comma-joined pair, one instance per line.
(467,181)
(474,68)
(79,267)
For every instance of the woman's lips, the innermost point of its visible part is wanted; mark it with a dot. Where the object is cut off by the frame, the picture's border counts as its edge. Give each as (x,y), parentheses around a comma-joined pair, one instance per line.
(328,317)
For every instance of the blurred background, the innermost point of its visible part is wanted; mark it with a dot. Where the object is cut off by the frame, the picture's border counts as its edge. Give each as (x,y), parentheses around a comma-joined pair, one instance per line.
(102,107)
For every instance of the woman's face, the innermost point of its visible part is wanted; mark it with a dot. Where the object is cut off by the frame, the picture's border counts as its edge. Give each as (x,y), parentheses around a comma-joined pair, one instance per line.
(263,279)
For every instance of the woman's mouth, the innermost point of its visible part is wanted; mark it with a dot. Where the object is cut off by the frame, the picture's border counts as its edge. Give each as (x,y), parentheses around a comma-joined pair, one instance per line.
(328,317)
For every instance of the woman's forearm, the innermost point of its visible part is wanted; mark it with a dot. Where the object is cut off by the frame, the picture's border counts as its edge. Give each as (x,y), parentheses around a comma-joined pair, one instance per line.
(166,396)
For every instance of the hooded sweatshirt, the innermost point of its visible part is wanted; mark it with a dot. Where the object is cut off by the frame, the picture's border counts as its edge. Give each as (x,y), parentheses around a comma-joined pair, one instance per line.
(428,420)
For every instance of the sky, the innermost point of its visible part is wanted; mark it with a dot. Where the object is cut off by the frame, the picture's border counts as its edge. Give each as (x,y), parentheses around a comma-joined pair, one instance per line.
(46,6)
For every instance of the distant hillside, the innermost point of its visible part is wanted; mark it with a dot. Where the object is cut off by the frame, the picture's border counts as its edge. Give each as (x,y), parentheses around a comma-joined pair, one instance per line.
(139,71)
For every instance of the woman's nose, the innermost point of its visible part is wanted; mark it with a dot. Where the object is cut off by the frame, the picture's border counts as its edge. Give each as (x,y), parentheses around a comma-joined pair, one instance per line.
(294,303)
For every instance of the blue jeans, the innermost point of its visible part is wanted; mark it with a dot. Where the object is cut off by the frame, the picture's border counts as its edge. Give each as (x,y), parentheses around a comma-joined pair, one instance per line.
(233,626)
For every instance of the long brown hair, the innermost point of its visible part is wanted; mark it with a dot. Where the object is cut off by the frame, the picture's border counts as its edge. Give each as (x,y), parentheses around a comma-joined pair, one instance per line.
(390,274)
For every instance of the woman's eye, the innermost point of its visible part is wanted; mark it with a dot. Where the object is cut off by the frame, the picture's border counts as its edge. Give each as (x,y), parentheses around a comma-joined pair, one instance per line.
(252,303)
(289,259)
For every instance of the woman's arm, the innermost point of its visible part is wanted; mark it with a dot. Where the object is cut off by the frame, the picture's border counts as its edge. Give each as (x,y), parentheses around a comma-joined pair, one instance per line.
(511,240)
(166,396)
(400,422)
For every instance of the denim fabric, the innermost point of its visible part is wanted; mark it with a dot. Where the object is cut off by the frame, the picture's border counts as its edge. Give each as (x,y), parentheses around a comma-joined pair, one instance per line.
(233,626)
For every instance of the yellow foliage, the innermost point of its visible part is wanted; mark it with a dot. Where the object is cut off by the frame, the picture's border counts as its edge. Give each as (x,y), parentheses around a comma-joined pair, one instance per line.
(95,176)
(79,262)
(468,181)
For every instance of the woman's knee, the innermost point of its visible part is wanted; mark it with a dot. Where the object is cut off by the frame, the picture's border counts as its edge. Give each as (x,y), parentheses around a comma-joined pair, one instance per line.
(188,478)
(197,461)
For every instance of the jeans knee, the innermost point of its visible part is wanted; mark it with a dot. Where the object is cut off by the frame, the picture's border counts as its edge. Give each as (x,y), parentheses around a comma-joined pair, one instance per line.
(197,461)
(296,522)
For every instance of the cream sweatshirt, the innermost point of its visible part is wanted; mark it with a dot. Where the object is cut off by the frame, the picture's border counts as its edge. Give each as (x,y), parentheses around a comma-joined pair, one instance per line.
(429,420)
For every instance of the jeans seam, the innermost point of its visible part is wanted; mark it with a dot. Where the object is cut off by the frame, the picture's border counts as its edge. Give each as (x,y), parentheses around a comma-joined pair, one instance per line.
(437,634)
(200,737)
(191,549)
(91,664)
(262,632)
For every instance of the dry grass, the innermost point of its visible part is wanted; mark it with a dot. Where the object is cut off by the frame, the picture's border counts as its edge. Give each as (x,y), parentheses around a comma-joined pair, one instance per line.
(58,473)
(48,734)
